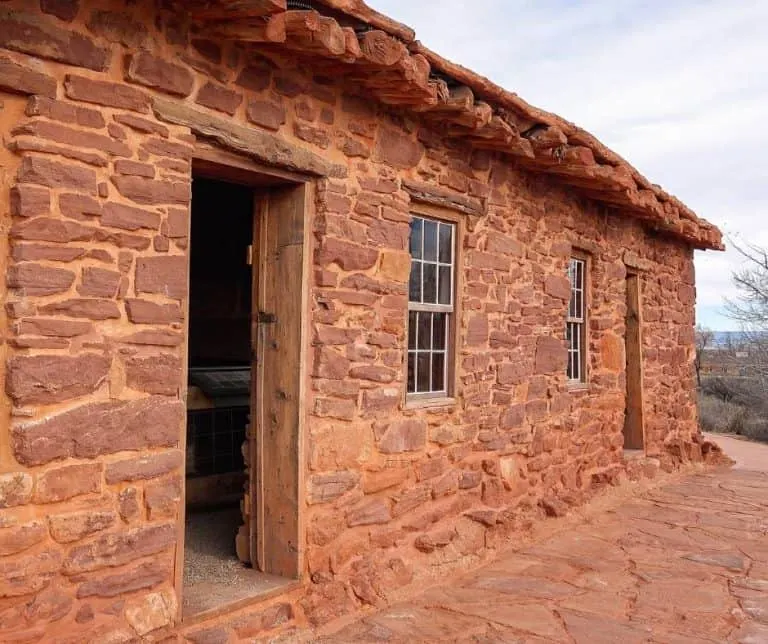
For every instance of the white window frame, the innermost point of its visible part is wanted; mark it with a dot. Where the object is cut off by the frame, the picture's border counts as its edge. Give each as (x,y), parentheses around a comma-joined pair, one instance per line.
(576,320)
(449,344)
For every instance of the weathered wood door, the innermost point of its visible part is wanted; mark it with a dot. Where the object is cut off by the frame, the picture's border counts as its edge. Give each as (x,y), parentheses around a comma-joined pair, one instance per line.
(634,429)
(278,333)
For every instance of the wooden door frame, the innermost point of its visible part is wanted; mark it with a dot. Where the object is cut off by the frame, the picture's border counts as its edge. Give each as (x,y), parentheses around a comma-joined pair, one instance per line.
(214,163)
(634,368)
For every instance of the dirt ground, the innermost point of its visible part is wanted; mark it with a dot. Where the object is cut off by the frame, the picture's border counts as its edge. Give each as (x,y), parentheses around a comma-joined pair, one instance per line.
(683,562)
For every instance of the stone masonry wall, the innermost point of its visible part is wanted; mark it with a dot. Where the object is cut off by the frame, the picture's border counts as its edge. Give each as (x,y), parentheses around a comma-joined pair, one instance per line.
(94,204)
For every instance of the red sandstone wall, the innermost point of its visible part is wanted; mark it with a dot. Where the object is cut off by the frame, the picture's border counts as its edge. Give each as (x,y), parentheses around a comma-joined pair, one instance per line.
(94,195)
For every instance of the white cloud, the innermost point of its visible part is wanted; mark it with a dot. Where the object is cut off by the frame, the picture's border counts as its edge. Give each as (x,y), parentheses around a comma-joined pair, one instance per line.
(679,89)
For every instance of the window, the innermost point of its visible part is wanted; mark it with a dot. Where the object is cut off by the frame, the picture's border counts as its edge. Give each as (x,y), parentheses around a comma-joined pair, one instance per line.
(575,331)
(430,307)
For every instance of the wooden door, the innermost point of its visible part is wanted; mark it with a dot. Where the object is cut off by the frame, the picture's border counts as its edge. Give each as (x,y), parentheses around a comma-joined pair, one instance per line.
(278,324)
(634,429)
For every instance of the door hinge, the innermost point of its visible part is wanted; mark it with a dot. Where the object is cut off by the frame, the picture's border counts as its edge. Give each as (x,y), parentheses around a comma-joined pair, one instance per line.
(249,255)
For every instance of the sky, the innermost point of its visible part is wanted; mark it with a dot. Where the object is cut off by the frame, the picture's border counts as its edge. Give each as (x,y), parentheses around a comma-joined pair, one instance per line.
(679,88)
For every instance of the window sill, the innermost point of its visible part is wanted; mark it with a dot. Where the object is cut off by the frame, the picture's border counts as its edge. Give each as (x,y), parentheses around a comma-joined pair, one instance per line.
(429,403)
(579,388)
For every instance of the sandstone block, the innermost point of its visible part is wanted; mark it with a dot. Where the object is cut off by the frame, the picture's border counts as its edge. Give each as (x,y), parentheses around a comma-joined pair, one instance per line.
(349,257)
(37,279)
(128,504)
(69,481)
(134,168)
(28,34)
(151,612)
(129,218)
(369,512)
(558,286)
(118,27)
(99,282)
(255,76)
(143,467)
(395,266)
(57,133)
(162,276)
(21,537)
(15,489)
(146,312)
(380,400)
(118,549)
(80,207)
(74,526)
(145,69)
(477,330)
(151,191)
(30,201)
(55,174)
(51,230)
(29,573)
(329,364)
(404,436)
(25,80)
(91,309)
(397,149)
(35,252)
(48,379)
(145,576)
(219,98)
(324,488)
(141,124)
(100,428)
(376,481)
(551,355)
(435,540)
(162,499)
(105,93)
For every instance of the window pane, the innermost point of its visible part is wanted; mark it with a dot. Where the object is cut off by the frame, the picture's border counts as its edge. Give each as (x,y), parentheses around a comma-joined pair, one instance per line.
(412,329)
(411,373)
(438,372)
(430,240)
(423,371)
(439,328)
(414,288)
(425,331)
(446,243)
(444,287)
(416,229)
(430,283)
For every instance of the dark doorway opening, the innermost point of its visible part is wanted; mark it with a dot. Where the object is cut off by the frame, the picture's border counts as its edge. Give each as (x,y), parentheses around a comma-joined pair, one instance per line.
(246,303)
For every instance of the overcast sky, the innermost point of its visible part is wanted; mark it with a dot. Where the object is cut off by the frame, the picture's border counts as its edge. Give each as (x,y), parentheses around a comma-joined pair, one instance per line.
(677,87)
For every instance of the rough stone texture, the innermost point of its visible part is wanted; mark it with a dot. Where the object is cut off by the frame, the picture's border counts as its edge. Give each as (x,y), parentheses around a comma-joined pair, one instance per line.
(99,428)
(48,379)
(66,482)
(97,175)
(623,576)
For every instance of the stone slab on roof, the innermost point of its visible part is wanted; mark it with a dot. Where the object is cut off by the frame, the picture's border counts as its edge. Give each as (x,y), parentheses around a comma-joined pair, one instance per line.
(385,58)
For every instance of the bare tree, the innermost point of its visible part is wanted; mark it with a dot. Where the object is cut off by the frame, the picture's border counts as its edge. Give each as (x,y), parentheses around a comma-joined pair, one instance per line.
(704,338)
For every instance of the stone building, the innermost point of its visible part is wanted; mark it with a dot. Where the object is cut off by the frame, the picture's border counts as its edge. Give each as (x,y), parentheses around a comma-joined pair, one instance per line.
(446,313)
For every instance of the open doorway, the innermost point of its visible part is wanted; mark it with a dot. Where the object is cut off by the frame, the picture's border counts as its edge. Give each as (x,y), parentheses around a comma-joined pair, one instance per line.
(240,247)
(634,430)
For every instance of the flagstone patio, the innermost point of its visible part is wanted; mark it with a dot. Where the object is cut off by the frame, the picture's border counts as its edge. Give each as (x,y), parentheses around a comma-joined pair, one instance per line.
(683,562)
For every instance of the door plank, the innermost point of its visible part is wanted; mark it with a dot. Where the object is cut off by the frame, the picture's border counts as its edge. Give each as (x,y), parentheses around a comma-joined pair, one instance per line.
(634,429)
(278,403)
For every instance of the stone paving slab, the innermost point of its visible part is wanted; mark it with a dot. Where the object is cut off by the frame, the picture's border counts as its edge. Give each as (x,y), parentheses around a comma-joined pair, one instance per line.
(686,562)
